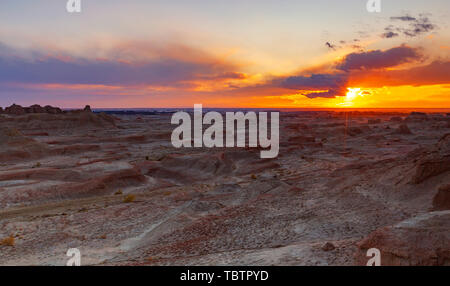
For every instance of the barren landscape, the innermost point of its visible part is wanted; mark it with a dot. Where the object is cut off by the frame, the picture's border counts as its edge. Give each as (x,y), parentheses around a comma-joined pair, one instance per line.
(113,186)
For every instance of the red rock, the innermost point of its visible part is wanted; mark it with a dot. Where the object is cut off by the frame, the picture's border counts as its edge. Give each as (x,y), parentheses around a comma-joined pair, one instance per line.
(418,241)
(328,247)
(15,146)
(431,167)
(435,163)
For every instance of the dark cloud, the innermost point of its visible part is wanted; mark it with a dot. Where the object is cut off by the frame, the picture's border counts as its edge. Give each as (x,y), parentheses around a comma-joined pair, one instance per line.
(390,34)
(332,93)
(405,18)
(315,81)
(379,59)
(415,26)
(332,84)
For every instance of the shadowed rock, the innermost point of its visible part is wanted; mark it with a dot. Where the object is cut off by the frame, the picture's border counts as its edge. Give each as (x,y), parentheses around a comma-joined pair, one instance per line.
(403,129)
(19,110)
(15,110)
(417,117)
(52,110)
(35,109)
(435,163)
(396,119)
(374,121)
(442,199)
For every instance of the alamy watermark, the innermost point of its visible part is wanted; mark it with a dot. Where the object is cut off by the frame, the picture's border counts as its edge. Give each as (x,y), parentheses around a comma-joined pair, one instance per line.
(73,6)
(375,255)
(373,6)
(75,257)
(214,135)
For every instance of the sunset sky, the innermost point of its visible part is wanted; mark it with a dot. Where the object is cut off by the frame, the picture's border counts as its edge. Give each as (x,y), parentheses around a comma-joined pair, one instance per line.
(226,53)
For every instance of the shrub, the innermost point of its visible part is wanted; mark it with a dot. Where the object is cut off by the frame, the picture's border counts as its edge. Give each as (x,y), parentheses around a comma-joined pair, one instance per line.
(9,241)
(129,199)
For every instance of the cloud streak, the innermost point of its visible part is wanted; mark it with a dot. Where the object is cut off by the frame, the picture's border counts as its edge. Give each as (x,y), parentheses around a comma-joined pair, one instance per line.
(160,70)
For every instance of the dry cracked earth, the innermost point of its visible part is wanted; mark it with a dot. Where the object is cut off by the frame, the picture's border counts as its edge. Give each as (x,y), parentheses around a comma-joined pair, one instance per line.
(115,188)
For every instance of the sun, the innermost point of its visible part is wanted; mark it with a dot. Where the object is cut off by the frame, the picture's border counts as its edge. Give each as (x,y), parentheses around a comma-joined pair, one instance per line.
(352,93)
(349,99)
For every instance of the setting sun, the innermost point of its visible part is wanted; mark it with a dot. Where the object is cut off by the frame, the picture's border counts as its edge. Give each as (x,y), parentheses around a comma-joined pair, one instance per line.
(353,93)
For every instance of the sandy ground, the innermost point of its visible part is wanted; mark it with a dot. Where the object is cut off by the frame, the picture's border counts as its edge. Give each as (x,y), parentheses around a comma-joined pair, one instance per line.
(350,180)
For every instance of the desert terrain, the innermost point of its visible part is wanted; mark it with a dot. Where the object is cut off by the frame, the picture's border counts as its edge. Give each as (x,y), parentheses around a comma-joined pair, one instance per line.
(113,186)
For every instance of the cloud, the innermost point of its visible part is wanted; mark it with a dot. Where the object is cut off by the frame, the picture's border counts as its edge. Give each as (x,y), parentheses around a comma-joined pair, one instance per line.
(437,72)
(174,67)
(318,85)
(415,26)
(405,18)
(378,59)
(390,33)
(330,45)
(358,67)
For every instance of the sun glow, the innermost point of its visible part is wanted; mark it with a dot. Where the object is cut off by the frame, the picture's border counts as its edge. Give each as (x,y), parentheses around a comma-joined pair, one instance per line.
(351,95)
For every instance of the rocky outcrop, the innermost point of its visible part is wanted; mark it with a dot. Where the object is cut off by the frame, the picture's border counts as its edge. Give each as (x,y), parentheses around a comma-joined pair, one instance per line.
(15,146)
(52,110)
(403,129)
(15,110)
(417,117)
(55,119)
(435,162)
(200,167)
(35,109)
(19,110)
(418,241)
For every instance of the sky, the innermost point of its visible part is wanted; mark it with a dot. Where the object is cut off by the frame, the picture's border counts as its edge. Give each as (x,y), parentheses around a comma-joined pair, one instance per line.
(225,53)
